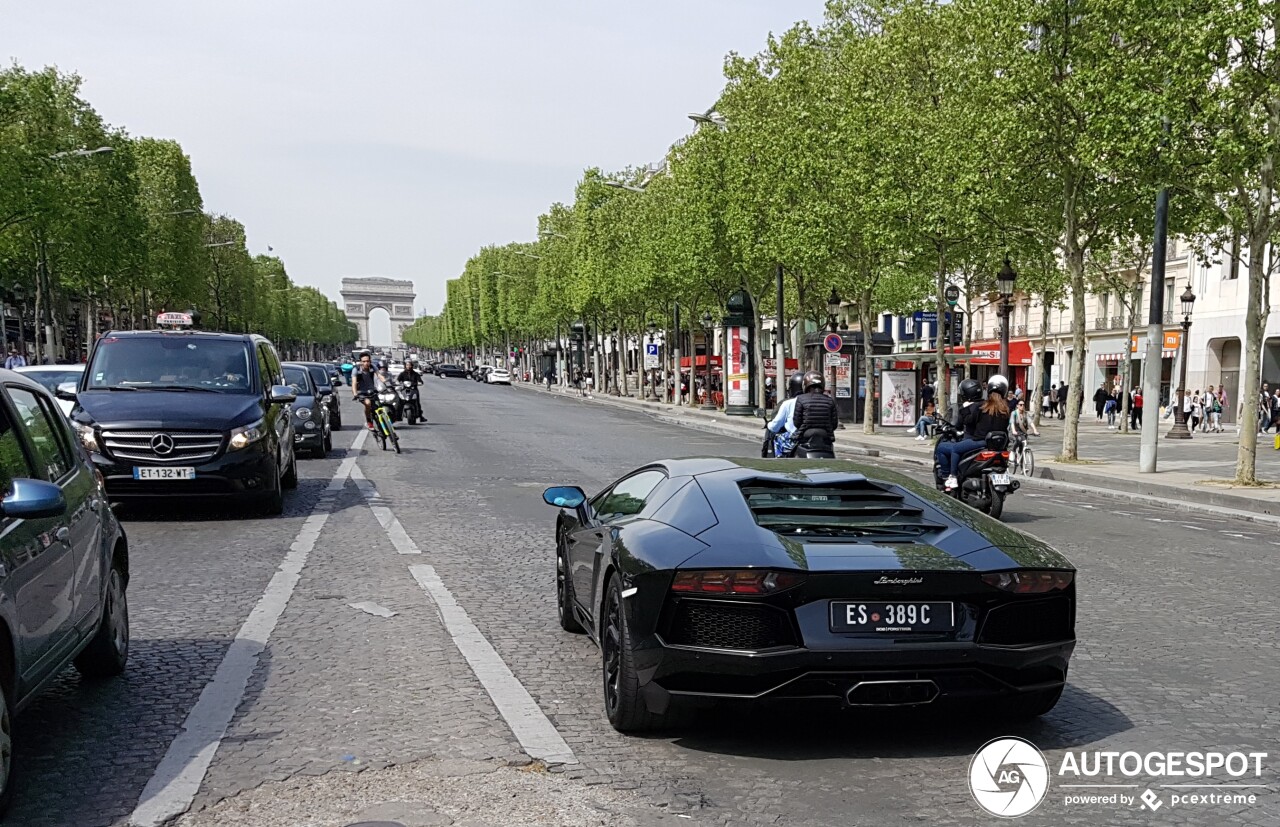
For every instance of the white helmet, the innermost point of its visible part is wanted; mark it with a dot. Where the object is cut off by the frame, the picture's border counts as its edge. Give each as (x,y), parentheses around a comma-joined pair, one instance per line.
(998,384)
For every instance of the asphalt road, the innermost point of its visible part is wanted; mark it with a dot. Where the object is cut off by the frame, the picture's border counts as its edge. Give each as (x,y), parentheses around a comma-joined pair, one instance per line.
(1177,645)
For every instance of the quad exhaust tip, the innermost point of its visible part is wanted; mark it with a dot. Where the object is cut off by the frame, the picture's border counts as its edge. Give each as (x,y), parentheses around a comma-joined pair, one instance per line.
(892,693)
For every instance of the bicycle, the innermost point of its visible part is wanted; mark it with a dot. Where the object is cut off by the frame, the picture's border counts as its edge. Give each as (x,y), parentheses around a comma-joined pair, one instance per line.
(383,430)
(1021,458)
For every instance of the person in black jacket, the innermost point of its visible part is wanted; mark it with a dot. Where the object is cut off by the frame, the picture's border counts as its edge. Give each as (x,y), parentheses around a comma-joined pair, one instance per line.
(815,418)
(977,421)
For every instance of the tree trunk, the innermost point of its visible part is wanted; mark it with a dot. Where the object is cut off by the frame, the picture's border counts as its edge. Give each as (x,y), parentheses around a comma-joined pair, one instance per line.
(868,364)
(1038,397)
(942,395)
(1074,255)
(1126,370)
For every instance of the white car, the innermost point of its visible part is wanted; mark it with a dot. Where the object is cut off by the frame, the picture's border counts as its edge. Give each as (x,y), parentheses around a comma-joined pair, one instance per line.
(498,376)
(51,376)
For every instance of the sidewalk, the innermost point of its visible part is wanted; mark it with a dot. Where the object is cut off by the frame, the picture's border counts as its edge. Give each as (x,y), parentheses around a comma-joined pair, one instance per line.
(1192,474)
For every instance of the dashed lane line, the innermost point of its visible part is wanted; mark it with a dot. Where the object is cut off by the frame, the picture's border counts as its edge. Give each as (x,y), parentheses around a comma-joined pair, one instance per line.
(1194,527)
(533,729)
(176,780)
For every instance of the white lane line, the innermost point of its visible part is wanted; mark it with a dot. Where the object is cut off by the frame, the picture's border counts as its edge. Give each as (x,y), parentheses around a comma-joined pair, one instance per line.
(177,778)
(535,732)
(399,538)
(369,607)
(1194,527)
(1240,536)
(344,468)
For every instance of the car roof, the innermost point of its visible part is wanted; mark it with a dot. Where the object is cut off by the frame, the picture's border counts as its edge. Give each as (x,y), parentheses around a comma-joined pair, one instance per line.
(204,334)
(16,378)
(37,368)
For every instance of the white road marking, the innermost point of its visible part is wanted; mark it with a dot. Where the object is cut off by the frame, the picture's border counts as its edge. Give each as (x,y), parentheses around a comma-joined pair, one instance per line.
(372,608)
(399,538)
(535,732)
(178,777)
(1240,536)
(1194,527)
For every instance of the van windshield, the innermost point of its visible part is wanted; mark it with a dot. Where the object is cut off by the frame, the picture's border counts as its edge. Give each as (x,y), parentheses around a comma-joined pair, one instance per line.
(178,362)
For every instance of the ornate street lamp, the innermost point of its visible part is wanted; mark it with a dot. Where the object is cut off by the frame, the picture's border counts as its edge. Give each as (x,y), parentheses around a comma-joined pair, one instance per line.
(1004,284)
(833,309)
(1180,430)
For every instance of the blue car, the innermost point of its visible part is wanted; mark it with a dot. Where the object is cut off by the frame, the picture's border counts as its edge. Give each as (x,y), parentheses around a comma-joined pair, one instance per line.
(64,559)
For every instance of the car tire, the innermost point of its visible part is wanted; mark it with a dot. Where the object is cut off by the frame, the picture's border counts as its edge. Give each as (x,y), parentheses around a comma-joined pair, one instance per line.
(1034,704)
(273,500)
(290,478)
(108,651)
(564,592)
(623,705)
(327,445)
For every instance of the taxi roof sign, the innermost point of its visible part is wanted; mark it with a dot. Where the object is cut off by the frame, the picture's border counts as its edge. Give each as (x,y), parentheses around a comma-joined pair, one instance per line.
(174,320)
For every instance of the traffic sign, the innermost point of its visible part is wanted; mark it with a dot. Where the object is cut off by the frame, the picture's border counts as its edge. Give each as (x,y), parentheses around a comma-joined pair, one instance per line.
(651,356)
(835,360)
(951,294)
(833,343)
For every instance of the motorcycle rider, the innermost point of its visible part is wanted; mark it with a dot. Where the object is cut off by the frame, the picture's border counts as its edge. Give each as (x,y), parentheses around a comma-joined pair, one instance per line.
(815,418)
(975,421)
(783,422)
(410,374)
(365,383)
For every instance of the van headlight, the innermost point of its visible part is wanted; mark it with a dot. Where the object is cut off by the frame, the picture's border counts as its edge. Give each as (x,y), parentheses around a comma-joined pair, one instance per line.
(88,438)
(243,437)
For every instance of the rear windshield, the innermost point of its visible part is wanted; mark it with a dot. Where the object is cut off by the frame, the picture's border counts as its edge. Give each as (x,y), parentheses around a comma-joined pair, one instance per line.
(178,362)
(297,377)
(51,379)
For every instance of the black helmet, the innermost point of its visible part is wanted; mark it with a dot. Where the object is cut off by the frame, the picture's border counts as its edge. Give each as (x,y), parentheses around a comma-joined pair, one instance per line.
(812,380)
(970,390)
(998,384)
(795,385)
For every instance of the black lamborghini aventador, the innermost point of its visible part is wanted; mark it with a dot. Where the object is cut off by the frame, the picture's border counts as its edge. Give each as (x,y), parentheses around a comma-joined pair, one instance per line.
(790,579)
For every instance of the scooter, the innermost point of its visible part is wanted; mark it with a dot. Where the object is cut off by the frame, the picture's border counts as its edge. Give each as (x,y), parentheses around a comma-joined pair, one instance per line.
(407,404)
(814,449)
(983,476)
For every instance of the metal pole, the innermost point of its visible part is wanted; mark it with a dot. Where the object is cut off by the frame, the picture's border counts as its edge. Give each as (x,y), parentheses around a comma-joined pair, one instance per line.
(1180,430)
(675,387)
(1151,367)
(1005,315)
(779,337)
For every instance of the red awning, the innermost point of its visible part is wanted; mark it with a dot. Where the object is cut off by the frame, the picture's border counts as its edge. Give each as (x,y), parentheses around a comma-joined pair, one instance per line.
(702,361)
(988,353)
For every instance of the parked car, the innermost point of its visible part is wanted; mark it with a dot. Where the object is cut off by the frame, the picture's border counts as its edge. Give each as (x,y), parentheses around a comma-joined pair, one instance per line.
(188,414)
(801,580)
(452,371)
(65,560)
(327,383)
(498,376)
(310,412)
(481,372)
(53,376)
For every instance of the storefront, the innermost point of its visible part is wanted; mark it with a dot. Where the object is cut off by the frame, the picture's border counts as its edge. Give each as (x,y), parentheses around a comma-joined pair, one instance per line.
(984,359)
(1109,362)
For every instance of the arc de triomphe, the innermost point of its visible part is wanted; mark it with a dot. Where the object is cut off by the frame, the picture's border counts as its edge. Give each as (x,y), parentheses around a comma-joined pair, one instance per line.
(361,296)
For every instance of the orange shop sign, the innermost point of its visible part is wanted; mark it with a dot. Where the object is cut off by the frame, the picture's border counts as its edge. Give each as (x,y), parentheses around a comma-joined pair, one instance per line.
(1172,341)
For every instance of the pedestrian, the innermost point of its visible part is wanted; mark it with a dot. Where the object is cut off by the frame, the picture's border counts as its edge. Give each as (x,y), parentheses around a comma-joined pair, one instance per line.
(1063,391)
(1109,408)
(15,360)
(1135,409)
(1197,410)
(1264,409)
(926,421)
(1275,410)
(1100,399)
(1215,410)
(926,394)
(1053,399)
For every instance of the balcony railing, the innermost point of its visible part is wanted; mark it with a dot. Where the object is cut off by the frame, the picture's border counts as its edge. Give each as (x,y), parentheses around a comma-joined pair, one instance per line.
(1021,330)
(1100,323)
(1117,321)
(978,334)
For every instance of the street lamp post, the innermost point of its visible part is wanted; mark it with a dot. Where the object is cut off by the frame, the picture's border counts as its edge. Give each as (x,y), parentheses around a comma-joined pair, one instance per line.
(616,389)
(653,372)
(20,310)
(1004,284)
(707,326)
(1180,430)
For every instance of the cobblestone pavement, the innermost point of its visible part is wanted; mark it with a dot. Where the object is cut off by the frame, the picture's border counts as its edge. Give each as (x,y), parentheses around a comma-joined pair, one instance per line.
(1176,624)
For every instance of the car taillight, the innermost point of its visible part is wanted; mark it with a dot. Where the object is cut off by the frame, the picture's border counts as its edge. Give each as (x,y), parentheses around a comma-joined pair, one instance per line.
(734,581)
(1029,582)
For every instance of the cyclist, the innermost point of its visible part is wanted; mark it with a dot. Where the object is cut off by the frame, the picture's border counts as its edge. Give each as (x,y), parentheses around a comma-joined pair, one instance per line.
(1020,425)
(784,423)
(365,383)
(410,374)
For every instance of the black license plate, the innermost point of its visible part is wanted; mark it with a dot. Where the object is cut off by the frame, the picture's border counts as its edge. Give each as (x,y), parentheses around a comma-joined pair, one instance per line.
(892,616)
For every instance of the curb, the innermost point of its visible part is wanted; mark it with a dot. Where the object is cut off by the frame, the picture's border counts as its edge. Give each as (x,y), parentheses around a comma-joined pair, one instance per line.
(1055,479)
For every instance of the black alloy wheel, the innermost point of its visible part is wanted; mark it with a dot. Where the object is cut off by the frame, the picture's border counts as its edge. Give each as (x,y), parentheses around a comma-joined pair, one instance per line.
(290,478)
(6,743)
(564,592)
(108,652)
(622,702)
(273,498)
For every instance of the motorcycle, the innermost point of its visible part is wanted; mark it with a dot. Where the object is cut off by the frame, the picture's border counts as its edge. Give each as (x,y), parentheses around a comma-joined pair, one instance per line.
(983,476)
(407,403)
(390,399)
(814,449)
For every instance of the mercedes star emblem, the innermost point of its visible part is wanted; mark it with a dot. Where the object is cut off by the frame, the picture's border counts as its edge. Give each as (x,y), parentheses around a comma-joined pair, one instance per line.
(162,444)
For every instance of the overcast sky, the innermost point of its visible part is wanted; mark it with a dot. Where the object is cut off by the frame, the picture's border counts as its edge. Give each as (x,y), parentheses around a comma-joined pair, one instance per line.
(395,138)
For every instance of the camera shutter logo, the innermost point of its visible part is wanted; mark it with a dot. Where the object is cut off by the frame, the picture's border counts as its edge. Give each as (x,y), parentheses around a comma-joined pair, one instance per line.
(1008,777)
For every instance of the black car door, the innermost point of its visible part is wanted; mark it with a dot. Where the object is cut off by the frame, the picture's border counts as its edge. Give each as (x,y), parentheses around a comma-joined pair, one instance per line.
(587,545)
(39,568)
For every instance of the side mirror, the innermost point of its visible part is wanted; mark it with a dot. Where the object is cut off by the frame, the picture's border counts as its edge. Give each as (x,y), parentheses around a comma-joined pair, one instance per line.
(33,499)
(281,395)
(564,496)
(66,391)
